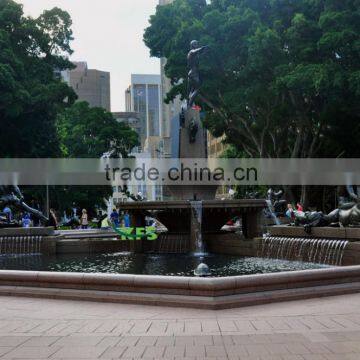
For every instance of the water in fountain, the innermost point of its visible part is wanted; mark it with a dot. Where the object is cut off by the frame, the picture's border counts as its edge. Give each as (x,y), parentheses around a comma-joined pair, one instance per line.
(197,213)
(272,213)
(323,251)
(20,245)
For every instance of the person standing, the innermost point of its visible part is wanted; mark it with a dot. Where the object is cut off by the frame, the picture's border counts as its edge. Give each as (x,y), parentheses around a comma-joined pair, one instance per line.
(299,207)
(127,222)
(115,218)
(8,213)
(26,221)
(290,212)
(84,219)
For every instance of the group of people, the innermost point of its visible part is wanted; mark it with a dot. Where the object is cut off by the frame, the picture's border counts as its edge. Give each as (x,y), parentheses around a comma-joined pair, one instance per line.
(24,219)
(118,218)
(290,212)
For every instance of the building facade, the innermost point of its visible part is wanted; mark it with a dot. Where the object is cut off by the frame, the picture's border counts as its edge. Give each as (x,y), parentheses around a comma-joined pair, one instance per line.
(90,85)
(144,97)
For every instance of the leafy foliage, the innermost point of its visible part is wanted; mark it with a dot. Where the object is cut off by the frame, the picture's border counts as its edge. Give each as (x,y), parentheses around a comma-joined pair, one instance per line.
(90,132)
(38,117)
(30,95)
(86,132)
(281,78)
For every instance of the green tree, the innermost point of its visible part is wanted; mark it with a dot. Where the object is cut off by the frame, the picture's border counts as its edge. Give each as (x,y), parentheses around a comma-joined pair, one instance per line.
(280,74)
(282,77)
(86,132)
(30,93)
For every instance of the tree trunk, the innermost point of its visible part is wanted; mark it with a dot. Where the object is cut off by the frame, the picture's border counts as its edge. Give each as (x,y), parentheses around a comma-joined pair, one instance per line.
(289,195)
(304,196)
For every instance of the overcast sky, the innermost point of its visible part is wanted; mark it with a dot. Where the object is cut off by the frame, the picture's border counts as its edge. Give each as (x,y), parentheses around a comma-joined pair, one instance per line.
(108,35)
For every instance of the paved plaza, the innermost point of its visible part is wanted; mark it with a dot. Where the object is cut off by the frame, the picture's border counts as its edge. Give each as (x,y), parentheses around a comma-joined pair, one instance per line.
(317,329)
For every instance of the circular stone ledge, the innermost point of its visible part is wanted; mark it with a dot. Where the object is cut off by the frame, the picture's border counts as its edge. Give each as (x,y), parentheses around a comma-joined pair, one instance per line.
(183,291)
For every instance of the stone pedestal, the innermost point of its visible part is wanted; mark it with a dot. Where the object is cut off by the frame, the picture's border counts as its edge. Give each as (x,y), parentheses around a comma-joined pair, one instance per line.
(194,149)
(198,148)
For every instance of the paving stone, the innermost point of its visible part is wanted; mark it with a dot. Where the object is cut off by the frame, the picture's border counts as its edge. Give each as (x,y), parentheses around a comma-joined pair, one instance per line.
(147,341)
(79,352)
(113,352)
(135,352)
(41,341)
(32,352)
(315,329)
(236,350)
(165,341)
(215,351)
(108,341)
(174,351)
(79,341)
(13,340)
(192,350)
(5,349)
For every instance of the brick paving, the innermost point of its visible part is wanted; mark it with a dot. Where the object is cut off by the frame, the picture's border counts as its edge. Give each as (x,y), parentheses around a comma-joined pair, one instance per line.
(316,329)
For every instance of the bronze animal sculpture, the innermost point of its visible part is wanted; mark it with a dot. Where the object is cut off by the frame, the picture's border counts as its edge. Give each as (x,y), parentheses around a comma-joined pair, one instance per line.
(347,214)
(278,204)
(11,196)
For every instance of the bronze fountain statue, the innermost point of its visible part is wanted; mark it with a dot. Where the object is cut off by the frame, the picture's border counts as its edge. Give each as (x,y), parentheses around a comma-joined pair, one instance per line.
(347,214)
(194,78)
(11,196)
(276,201)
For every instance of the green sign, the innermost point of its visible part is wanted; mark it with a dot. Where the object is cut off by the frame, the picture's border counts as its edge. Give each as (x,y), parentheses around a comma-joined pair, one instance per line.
(138,233)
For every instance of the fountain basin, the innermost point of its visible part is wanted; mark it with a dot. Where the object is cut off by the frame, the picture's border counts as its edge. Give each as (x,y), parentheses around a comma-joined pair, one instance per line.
(214,293)
(153,264)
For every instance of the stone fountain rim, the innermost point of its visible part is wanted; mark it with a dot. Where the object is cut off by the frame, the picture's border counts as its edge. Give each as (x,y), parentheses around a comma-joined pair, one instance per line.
(210,293)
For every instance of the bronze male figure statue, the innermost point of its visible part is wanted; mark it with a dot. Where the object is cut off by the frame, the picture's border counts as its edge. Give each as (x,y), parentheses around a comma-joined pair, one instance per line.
(194,79)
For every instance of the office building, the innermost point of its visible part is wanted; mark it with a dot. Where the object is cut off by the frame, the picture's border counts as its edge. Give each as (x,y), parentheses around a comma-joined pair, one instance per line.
(90,85)
(144,97)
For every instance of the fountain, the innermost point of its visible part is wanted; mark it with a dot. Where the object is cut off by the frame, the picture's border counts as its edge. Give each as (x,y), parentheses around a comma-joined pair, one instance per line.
(272,212)
(322,251)
(193,214)
(28,241)
(202,270)
(196,221)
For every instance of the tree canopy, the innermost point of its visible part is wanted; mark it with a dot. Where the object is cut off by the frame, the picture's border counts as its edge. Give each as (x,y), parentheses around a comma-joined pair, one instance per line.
(31,50)
(38,113)
(86,132)
(282,77)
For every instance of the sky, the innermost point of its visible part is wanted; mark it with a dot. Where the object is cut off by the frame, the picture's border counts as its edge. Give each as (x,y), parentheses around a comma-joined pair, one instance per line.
(108,35)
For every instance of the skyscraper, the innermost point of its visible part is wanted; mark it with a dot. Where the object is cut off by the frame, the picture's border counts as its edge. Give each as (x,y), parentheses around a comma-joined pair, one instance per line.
(144,97)
(90,85)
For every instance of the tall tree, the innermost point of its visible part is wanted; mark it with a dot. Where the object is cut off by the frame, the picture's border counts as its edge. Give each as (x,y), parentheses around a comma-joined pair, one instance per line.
(86,132)
(31,50)
(281,75)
